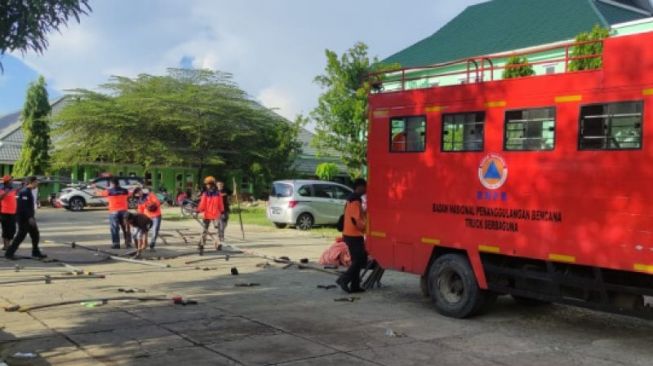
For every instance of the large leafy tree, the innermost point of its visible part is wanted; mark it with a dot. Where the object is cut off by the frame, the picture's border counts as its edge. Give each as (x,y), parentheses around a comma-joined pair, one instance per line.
(34,155)
(341,115)
(24,24)
(198,118)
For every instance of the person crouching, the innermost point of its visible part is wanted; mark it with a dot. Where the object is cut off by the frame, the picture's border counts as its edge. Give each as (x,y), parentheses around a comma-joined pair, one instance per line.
(141,225)
(150,206)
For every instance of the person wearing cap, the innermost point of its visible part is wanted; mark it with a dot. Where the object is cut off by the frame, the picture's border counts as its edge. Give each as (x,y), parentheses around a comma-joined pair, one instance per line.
(26,221)
(211,206)
(150,206)
(7,210)
(117,198)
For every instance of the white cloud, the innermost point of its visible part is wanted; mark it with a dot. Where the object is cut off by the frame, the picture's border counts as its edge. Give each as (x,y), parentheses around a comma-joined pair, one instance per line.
(281,101)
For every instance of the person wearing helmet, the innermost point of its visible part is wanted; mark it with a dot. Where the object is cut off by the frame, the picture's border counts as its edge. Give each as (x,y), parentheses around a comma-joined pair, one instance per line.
(150,206)
(211,207)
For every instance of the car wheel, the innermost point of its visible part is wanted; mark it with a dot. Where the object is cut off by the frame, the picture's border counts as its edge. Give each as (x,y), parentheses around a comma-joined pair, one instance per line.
(280,225)
(76,204)
(453,287)
(304,221)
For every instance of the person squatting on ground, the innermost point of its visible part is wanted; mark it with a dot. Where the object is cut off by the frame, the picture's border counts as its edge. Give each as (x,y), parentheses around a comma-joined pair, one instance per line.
(355,221)
(8,210)
(212,207)
(141,225)
(224,217)
(26,221)
(118,198)
(150,206)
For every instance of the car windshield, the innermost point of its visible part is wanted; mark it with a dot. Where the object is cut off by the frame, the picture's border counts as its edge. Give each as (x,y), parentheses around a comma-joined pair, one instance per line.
(281,190)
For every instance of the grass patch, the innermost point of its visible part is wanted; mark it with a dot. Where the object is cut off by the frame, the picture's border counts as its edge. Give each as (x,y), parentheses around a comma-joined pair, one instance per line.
(253,216)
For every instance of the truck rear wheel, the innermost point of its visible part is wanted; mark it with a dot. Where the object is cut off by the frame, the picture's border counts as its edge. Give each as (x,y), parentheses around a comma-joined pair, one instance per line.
(453,287)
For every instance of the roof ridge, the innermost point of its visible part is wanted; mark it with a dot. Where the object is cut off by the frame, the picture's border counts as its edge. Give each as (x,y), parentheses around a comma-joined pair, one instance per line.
(604,22)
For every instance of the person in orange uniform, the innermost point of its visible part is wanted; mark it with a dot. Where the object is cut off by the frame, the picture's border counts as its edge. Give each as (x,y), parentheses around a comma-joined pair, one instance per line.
(211,206)
(150,206)
(117,197)
(8,211)
(353,232)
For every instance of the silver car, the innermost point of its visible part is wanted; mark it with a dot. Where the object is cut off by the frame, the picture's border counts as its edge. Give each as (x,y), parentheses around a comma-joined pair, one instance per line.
(306,203)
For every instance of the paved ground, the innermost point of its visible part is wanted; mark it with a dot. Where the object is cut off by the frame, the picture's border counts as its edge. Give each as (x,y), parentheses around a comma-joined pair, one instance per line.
(286,320)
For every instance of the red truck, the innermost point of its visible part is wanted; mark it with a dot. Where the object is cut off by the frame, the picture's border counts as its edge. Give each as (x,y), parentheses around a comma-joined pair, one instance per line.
(535,187)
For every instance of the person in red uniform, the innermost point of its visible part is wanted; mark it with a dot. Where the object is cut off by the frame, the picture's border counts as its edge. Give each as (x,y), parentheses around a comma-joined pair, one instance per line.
(150,206)
(211,206)
(355,222)
(8,210)
(117,197)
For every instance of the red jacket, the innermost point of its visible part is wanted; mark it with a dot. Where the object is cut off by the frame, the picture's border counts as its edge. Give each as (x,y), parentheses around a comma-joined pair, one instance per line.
(211,205)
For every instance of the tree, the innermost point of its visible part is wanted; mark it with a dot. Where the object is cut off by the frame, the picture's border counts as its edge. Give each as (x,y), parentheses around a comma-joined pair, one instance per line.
(24,24)
(198,118)
(34,155)
(587,55)
(341,115)
(517,67)
(326,171)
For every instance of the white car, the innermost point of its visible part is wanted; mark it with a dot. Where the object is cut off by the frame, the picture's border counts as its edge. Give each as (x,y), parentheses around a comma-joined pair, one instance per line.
(306,203)
(76,197)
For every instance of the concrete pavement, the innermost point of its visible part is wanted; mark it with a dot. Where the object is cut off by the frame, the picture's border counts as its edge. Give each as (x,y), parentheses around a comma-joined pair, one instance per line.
(285,320)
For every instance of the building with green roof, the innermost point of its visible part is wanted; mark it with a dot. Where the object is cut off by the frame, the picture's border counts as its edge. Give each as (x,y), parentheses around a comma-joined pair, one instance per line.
(499,27)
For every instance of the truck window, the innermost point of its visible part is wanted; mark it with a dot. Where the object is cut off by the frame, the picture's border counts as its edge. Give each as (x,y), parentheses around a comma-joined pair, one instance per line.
(530,129)
(408,134)
(463,131)
(613,126)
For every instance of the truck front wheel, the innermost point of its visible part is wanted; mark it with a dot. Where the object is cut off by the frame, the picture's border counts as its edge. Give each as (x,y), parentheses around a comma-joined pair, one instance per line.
(453,287)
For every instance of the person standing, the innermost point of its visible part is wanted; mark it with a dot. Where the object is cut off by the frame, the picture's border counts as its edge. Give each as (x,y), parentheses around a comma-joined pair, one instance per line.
(26,221)
(7,210)
(150,206)
(211,206)
(117,197)
(224,217)
(355,222)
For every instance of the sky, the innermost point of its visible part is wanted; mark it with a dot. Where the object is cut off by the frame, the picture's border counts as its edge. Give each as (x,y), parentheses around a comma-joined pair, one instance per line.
(274,48)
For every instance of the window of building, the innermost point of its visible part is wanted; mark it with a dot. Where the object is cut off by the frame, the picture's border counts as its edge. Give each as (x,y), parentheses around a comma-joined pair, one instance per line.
(613,126)
(530,129)
(463,131)
(407,134)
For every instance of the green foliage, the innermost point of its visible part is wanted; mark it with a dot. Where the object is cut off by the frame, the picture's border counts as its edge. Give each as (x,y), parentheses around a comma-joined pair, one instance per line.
(341,115)
(326,171)
(517,67)
(24,24)
(34,154)
(589,49)
(197,118)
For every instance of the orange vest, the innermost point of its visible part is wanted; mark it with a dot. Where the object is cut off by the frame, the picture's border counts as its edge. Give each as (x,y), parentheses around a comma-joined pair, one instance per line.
(148,201)
(355,227)
(8,203)
(211,205)
(117,198)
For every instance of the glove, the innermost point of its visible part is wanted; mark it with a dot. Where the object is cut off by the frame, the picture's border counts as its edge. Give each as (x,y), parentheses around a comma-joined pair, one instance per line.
(153,207)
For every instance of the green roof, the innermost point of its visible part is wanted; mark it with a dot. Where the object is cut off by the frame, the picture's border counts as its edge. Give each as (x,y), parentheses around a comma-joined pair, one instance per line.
(504,25)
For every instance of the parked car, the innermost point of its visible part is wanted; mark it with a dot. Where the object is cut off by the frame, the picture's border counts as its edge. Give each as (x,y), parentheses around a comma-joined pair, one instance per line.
(77,196)
(306,203)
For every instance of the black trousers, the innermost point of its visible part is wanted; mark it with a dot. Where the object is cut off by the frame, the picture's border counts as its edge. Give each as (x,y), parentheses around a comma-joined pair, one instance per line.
(8,226)
(356,245)
(25,226)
